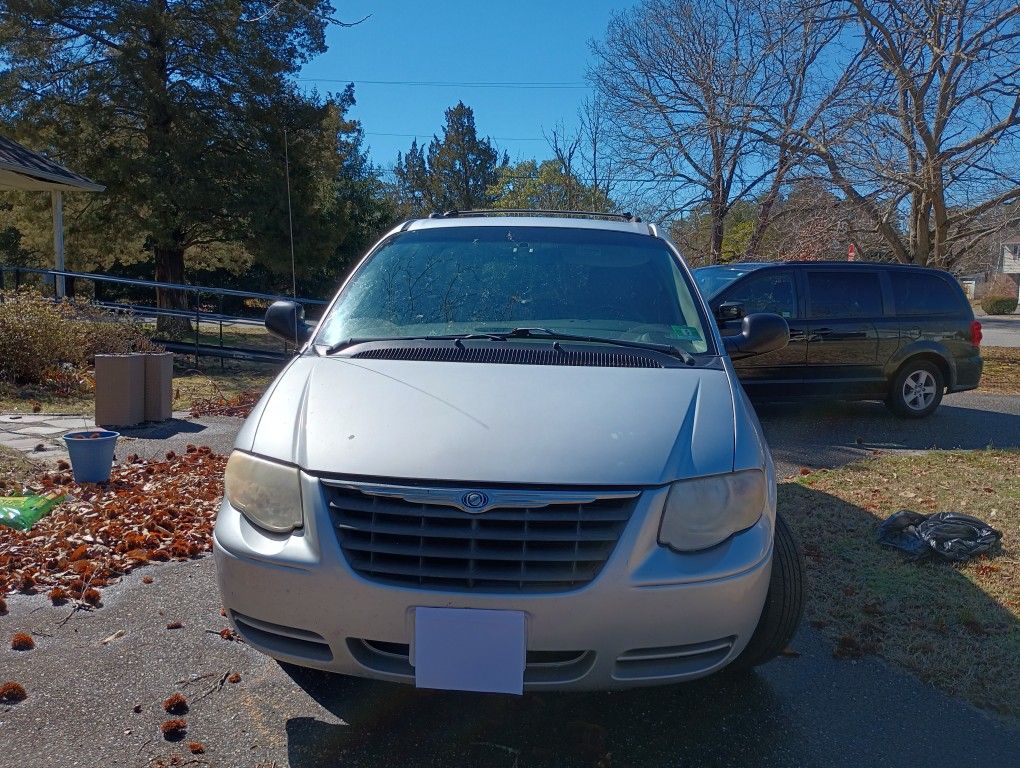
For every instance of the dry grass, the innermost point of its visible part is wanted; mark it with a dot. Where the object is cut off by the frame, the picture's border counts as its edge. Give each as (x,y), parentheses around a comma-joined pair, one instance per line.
(190,384)
(1001,373)
(15,470)
(955,626)
(238,335)
(210,382)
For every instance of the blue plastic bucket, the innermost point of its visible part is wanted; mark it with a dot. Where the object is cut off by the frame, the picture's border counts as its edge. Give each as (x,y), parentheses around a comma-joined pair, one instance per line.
(91,457)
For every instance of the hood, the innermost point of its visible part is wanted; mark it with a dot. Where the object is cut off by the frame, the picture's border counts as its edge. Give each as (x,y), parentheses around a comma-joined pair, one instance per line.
(485,423)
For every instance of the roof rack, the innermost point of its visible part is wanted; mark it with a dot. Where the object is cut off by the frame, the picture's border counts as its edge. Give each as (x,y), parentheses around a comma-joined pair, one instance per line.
(453,214)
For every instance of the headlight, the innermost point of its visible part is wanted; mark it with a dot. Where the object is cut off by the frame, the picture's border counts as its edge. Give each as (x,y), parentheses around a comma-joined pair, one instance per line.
(703,512)
(265,492)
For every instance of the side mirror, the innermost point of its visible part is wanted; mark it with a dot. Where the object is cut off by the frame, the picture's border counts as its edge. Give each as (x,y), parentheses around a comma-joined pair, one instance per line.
(729,310)
(759,333)
(286,319)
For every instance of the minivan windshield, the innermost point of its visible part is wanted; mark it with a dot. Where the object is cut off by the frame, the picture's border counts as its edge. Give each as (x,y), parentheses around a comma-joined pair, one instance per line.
(492,279)
(713,280)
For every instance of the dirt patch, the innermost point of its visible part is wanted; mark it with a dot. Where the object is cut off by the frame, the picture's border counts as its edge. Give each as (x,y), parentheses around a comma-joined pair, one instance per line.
(955,626)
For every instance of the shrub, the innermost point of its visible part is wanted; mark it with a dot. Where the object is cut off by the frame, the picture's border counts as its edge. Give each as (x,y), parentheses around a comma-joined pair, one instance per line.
(998,305)
(42,341)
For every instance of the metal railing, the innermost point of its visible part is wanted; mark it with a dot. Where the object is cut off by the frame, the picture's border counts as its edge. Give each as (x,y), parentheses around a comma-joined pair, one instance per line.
(198,311)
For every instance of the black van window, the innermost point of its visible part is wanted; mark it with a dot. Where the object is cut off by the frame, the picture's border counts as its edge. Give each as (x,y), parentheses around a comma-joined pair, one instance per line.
(920,293)
(767,291)
(844,294)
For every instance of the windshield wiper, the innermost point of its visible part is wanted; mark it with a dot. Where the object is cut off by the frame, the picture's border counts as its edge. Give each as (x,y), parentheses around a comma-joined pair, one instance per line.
(547,333)
(522,333)
(353,341)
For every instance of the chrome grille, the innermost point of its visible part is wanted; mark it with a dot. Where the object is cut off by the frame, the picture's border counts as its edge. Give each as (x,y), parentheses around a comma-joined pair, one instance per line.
(524,541)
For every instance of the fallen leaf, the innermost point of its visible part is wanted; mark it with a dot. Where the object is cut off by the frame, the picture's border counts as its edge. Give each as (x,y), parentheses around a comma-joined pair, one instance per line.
(174,730)
(12,693)
(115,636)
(176,704)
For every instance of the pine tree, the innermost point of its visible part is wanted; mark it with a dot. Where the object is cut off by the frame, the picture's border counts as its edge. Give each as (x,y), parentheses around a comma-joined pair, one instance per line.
(177,106)
(456,172)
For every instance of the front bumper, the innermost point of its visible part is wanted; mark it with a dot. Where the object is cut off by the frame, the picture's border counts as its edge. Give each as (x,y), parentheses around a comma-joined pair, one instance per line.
(651,616)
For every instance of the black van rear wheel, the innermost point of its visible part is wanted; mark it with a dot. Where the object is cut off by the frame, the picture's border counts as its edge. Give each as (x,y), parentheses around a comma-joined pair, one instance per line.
(916,389)
(784,603)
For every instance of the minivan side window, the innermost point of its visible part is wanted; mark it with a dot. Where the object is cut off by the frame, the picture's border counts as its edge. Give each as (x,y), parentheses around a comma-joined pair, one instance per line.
(767,291)
(844,294)
(920,293)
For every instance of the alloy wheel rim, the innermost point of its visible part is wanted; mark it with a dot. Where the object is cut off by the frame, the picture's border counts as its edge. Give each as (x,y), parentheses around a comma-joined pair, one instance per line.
(919,390)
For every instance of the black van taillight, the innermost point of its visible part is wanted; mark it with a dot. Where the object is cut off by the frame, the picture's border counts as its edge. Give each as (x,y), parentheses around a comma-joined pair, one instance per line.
(975,333)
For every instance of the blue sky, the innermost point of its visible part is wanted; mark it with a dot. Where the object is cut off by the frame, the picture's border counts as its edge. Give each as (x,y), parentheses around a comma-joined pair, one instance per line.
(461,42)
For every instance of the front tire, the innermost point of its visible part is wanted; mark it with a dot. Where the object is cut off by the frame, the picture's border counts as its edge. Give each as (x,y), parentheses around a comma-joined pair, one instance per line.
(916,389)
(784,603)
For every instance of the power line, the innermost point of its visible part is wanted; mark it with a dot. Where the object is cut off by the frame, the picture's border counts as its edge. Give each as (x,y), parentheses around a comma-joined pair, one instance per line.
(552,85)
(391,170)
(430,135)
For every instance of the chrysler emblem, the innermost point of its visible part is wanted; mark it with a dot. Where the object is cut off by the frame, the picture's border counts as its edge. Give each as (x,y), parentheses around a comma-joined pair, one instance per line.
(474,500)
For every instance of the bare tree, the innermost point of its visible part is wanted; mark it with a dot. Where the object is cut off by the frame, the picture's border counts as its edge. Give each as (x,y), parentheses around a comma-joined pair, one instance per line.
(597,162)
(925,137)
(686,83)
(588,169)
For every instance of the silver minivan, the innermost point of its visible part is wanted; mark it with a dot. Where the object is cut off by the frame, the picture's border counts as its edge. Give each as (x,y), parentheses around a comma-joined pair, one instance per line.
(513,455)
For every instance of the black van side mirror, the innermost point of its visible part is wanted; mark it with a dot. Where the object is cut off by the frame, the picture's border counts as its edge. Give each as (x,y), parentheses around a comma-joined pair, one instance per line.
(729,310)
(759,333)
(286,319)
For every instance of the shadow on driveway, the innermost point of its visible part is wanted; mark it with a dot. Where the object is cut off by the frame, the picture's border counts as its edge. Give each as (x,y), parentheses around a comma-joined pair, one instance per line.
(163,430)
(831,434)
(391,725)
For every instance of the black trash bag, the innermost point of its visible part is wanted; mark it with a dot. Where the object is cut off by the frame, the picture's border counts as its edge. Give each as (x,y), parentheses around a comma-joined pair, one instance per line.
(951,535)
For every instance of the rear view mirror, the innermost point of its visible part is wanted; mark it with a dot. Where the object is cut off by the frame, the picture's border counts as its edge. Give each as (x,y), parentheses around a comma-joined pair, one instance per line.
(759,333)
(729,310)
(286,319)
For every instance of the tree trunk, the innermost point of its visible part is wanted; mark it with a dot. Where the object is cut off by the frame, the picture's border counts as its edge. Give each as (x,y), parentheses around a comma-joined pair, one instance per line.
(170,269)
(718,219)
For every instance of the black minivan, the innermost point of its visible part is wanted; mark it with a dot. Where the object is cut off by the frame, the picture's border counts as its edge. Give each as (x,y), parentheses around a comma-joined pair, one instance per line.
(858,331)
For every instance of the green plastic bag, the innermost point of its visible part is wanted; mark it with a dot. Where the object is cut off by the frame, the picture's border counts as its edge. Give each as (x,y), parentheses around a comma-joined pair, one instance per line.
(22,512)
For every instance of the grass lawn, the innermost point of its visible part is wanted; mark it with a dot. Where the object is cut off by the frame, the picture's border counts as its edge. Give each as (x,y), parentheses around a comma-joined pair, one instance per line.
(1001,373)
(237,335)
(208,381)
(955,626)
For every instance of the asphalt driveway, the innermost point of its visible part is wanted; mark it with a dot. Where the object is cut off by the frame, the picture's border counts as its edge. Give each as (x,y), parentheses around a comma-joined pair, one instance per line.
(802,710)
(832,434)
(1000,330)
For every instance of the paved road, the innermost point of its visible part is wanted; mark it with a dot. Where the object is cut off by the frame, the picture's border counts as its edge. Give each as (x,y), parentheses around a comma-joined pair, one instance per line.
(1000,330)
(810,710)
(806,711)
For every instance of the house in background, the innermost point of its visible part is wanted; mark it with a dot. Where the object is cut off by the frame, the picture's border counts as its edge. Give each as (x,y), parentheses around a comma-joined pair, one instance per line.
(1009,261)
(1004,277)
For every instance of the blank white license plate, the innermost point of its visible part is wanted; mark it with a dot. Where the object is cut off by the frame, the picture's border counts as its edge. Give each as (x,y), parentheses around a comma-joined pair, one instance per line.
(464,649)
